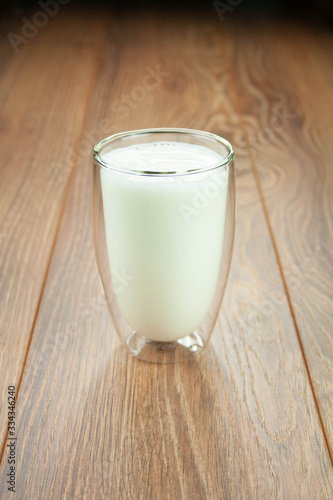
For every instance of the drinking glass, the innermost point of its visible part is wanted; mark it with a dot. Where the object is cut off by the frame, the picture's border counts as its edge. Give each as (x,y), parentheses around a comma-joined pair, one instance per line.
(163,224)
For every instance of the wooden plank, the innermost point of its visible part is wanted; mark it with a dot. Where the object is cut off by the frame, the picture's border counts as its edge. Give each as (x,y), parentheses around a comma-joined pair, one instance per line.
(239,421)
(43,98)
(292,157)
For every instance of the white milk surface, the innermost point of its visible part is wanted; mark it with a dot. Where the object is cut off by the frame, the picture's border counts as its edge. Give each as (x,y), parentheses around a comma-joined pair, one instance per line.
(164,235)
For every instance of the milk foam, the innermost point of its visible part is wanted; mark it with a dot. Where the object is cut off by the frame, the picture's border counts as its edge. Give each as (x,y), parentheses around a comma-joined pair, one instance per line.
(161,157)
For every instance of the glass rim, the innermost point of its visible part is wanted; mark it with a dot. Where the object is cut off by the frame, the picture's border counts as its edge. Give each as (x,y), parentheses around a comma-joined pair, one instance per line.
(185,131)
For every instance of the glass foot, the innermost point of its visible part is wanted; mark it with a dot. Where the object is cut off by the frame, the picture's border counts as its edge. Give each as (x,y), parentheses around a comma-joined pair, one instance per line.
(165,352)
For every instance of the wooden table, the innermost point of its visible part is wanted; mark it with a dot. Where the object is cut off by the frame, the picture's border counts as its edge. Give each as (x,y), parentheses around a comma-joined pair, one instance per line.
(251,417)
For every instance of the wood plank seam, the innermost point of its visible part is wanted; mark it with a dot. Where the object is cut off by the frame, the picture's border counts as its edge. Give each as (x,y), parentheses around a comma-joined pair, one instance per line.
(285,287)
(76,154)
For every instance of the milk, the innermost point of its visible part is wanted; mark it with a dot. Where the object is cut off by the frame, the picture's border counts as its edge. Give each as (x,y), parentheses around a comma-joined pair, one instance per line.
(164,235)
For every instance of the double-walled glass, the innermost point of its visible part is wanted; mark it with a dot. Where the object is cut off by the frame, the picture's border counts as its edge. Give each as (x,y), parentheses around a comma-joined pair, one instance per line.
(164,237)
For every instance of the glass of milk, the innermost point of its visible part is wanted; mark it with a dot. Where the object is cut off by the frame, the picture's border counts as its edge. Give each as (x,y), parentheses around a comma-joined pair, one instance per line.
(163,219)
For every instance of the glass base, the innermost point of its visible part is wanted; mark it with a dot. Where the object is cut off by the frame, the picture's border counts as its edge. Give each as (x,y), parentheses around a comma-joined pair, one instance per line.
(165,352)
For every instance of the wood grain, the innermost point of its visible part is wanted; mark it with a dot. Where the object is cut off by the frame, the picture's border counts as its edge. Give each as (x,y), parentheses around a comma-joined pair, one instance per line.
(43,94)
(240,420)
(293,162)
